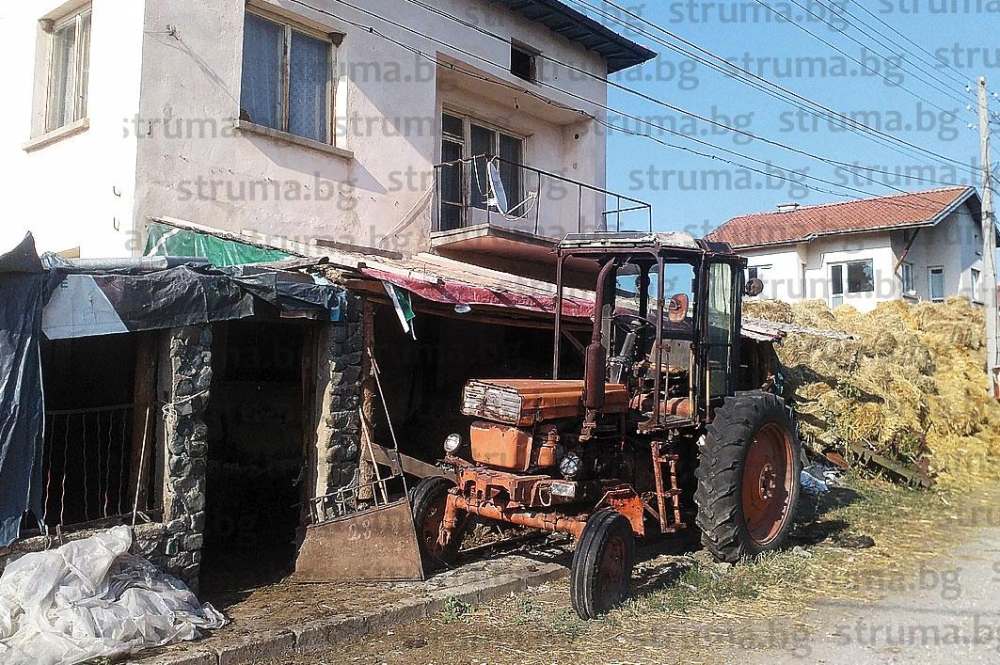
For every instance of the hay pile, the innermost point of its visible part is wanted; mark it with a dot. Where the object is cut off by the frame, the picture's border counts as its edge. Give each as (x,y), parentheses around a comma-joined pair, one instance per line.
(911,387)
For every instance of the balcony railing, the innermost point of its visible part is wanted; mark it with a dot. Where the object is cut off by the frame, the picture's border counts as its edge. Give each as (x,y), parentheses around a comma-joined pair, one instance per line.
(499,193)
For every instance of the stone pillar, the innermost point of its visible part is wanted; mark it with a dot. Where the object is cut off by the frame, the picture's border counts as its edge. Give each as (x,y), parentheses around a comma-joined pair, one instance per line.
(185,381)
(338,397)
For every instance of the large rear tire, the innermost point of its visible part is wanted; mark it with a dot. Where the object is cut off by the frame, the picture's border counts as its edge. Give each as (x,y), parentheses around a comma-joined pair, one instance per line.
(748,477)
(602,565)
(427,504)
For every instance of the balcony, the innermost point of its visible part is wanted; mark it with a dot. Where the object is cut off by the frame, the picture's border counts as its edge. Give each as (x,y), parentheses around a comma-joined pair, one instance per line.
(508,216)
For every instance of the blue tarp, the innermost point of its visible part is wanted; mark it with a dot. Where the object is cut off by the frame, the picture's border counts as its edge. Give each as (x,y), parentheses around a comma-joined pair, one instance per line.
(22,297)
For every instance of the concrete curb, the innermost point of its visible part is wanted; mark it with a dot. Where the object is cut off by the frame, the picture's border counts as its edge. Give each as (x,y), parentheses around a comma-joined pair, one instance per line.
(321,634)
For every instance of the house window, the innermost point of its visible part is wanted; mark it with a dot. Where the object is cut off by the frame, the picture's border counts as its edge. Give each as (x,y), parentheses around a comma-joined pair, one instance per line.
(852,277)
(935,277)
(908,286)
(69,71)
(472,154)
(976,295)
(758,272)
(287,78)
(523,63)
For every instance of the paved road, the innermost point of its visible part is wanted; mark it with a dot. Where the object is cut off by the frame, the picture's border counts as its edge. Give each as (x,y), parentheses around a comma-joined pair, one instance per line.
(949,613)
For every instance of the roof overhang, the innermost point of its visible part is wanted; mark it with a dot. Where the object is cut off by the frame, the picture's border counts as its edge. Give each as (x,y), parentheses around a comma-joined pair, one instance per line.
(970,197)
(619,52)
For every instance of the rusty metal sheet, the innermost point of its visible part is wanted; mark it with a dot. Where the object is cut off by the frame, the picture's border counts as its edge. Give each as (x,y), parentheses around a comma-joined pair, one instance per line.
(372,545)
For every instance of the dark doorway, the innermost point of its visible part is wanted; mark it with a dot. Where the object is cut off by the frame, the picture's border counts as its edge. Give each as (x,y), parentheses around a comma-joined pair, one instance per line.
(256,423)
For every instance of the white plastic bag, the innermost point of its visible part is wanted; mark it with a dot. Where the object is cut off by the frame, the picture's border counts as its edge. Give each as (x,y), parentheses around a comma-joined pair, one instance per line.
(89,599)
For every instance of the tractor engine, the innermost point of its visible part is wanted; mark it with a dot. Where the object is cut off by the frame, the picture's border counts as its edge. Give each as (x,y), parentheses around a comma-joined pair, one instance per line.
(531,425)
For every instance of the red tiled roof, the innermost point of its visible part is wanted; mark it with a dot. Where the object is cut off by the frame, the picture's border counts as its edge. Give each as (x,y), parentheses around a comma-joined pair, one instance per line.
(804,223)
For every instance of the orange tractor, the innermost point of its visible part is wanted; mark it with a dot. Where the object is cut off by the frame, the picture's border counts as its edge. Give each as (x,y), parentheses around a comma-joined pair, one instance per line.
(659,435)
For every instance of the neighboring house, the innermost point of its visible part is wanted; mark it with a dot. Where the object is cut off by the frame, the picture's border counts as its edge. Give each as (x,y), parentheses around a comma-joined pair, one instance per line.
(293,118)
(919,246)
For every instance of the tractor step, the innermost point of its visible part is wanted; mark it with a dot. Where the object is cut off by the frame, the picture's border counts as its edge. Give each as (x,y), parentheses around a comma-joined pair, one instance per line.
(668,491)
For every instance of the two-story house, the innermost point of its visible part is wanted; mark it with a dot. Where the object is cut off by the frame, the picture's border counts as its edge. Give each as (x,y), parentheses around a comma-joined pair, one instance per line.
(924,245)
(467,127)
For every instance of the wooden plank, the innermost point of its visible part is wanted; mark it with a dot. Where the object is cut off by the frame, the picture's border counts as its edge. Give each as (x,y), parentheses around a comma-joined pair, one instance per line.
(144,400)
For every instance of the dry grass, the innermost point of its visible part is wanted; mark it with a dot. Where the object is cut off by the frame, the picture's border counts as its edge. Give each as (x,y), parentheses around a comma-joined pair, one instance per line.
(912,386)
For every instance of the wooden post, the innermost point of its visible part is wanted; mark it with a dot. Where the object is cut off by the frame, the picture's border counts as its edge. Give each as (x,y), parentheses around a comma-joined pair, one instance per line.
(144,400)
(366,468)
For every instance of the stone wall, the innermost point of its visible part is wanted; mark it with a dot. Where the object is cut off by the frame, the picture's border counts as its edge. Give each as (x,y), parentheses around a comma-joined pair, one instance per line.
(338,397)
(185,379)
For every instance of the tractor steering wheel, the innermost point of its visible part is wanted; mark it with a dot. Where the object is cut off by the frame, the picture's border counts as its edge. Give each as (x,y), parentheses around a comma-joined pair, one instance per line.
(621,319)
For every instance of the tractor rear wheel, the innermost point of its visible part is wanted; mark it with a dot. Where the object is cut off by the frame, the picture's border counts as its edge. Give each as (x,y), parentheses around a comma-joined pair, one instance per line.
(748,477)
(602,564)
(427,504)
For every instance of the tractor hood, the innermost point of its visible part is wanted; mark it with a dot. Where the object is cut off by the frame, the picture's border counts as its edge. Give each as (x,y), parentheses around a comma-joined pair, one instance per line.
(528,402)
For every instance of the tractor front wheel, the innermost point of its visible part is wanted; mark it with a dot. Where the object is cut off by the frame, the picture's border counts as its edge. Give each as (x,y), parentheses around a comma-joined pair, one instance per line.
(427,504)
(602,564)
(748,477)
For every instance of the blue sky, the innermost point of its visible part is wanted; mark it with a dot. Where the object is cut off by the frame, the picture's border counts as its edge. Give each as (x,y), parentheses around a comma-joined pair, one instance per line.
(696,193)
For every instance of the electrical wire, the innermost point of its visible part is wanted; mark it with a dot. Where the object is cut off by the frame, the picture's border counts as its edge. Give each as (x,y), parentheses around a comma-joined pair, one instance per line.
(754,80)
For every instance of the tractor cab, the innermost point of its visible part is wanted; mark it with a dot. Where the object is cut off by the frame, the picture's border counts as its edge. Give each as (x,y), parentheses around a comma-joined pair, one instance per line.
(665,324)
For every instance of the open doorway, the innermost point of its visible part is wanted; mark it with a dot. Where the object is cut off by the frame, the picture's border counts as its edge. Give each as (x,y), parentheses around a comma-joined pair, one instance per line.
(428,374)
(257,420)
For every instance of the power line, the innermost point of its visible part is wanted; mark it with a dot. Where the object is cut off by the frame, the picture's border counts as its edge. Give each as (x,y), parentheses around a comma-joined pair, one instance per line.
(416,51)
(838,50)
(962,79)
(783,94)
(875,35)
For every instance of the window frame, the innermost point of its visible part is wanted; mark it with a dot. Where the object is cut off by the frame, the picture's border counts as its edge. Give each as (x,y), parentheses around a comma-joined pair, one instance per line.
(332,40)
(468,121)
(907,278)
(80,85)
(931,271)
(976,277)
(845,281)
(532,55)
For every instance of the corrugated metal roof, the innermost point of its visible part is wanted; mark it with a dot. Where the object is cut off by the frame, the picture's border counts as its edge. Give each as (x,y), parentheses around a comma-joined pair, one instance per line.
(619,52)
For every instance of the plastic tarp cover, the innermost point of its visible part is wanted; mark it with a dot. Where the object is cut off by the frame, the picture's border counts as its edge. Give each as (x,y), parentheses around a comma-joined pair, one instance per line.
(166,240)
(21,301)
(91,599)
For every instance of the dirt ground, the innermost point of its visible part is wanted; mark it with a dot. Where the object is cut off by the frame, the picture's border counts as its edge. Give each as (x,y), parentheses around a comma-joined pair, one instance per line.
(687,609)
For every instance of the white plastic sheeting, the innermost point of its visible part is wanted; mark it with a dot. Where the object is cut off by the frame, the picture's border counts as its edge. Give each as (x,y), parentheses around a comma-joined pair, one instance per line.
(90,598)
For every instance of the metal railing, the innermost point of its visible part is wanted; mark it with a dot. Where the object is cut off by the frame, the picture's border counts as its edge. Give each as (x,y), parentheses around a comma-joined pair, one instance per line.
(87,464)
(471,192)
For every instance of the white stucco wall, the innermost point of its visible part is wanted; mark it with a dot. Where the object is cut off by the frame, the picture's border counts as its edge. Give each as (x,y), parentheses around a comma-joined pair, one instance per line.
(383,186)
(74,192)
(803,271)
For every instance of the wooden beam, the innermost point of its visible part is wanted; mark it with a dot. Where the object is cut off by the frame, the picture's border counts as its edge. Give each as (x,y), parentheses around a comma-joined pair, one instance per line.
(143,418)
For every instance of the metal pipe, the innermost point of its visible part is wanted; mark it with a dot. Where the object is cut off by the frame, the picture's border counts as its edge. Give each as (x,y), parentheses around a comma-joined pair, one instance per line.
(142,264)
(549,522)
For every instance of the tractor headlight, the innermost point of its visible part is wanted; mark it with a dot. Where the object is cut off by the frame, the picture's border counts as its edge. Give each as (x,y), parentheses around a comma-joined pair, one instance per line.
(570,465)
(452,443)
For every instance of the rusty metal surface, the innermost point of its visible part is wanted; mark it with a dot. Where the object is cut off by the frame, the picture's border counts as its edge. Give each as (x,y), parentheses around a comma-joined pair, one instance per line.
(500,445)
(526,402)
(372,545)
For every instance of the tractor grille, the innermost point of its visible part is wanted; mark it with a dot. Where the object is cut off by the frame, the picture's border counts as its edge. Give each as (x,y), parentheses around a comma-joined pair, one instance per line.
(482,400)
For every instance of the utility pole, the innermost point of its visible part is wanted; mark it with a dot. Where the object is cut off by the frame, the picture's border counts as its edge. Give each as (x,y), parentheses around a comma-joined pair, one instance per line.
(989,277)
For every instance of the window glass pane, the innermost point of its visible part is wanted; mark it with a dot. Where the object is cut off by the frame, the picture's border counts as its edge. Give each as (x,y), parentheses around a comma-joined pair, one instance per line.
(511,150)
(483,148)
(937,284)
(720,326)
(260,93)
(860,277)
(975,284)
(907,278)
(451,187)
(81,92)
(452,125)
(837,280)
(62,67)
(308,84)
